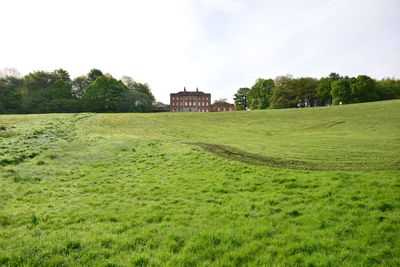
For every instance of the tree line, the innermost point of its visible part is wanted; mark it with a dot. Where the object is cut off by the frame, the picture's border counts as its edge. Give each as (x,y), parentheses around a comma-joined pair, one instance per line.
(56,92)
(289,92)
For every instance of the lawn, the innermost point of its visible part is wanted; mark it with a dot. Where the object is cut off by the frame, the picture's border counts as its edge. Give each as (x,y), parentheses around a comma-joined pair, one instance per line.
(293,187)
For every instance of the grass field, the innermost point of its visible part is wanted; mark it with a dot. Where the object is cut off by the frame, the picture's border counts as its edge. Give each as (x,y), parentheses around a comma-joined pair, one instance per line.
(295,187)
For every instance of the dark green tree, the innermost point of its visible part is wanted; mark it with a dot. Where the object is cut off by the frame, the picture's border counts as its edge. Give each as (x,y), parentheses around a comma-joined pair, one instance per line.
(341,91)
(79,85)
(47,92)
(11,94)
(259,94)
(284,94)
(105,94)
(363,89)
(324,92)
(94,74)
(334,76)
(39,80)
(240,98)
(2,109)
(140,94)
(62,75)
(306,89)
(388,88)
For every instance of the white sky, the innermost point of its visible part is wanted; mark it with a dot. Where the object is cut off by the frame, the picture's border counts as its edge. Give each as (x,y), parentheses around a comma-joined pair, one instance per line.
(216,45)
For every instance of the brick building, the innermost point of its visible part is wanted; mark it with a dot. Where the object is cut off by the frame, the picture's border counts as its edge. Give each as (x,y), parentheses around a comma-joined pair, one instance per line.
(161,108)
(190,101)
(222,106)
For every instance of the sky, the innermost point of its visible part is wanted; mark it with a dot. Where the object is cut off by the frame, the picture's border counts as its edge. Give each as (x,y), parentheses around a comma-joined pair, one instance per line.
(215,45)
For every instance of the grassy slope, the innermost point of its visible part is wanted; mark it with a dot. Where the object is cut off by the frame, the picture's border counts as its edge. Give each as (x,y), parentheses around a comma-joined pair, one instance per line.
(355,137)
(125,189)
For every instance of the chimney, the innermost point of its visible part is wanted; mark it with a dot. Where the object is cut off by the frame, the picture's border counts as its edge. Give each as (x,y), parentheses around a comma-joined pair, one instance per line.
(184,89)
(197,89)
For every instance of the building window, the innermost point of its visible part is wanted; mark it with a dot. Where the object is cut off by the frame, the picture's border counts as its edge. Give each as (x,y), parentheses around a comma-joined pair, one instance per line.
(185,103)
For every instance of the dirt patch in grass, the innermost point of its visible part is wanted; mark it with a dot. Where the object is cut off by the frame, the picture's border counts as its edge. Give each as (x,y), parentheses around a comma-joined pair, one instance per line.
(255,159)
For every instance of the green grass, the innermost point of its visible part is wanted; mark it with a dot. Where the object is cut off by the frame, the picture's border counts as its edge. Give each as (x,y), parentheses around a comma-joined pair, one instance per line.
(296,187)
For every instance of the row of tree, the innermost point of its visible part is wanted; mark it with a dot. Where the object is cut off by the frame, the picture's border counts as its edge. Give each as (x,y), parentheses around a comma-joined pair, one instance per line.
(55,92)
(288,92)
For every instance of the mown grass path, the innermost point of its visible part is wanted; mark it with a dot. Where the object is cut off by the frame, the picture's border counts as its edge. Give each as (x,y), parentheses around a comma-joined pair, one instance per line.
(126,189)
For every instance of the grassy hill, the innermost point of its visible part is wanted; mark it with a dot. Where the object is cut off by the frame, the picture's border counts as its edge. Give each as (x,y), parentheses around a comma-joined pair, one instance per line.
(315,186)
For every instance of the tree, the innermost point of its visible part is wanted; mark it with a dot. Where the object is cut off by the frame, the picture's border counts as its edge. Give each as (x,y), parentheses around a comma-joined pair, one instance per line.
(139,96)
(94,74)
(105,94)
(2,109)
(62,75)
(47,92)
(341,91)
(38,80)
(240,98)
(388,88)
(284,94)
(334,76)
(79,85)
(259,94)
(363,89)
(306,89)
(324,91)
(10,94)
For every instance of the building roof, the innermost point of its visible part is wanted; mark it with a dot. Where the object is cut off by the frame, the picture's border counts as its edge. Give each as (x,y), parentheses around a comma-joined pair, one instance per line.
(222,103)
(190,93)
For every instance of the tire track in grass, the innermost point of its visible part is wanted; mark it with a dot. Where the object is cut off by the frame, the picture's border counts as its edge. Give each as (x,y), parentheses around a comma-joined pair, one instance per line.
(235,154)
